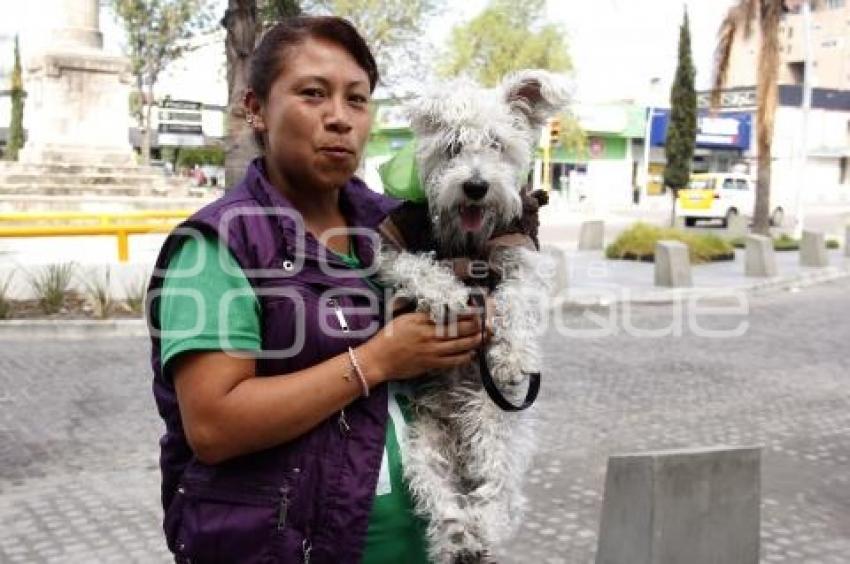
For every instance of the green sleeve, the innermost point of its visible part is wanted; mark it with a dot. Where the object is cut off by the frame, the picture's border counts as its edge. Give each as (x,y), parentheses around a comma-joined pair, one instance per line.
(190,306)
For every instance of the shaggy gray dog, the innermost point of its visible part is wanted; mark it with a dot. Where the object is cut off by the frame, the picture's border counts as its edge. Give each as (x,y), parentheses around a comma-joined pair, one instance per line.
(466,457)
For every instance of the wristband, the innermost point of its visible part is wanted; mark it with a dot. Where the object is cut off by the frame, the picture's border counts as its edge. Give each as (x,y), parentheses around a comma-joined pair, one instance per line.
(355,367)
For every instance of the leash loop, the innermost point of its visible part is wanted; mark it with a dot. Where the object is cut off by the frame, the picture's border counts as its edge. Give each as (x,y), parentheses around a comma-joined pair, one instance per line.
(493,391)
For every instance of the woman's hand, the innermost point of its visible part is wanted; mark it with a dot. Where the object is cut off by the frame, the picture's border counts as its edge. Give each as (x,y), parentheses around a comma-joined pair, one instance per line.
(412,344)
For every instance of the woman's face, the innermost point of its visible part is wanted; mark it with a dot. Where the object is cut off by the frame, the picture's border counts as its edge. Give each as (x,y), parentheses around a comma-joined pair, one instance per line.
(316,120)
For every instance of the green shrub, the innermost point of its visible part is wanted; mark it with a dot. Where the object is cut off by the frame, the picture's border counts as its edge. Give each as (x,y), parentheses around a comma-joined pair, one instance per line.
(134,294)
(5,303)
(188,157)
(783,243)
(51,284)
(738,242)
(97,291)
(638,243)
(786,243)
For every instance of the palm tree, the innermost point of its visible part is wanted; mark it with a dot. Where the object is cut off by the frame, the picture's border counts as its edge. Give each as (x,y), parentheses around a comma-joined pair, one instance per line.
(741,17)
(243,21)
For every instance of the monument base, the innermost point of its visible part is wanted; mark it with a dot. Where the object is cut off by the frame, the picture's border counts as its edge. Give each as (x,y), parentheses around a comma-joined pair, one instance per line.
(78,100)
(67,154)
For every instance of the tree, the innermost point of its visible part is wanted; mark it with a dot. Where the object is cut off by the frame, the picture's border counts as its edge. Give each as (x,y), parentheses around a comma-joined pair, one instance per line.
(509,36)
(682,129)
(740,18)
(16,123)
(158,33)
(506,36)
(243,22)
(392,28)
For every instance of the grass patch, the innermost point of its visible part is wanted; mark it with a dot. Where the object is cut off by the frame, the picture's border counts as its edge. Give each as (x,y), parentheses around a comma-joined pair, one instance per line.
(97,291)
(5,304)
(638,243)
(135,292)
(783,243)
(51,284)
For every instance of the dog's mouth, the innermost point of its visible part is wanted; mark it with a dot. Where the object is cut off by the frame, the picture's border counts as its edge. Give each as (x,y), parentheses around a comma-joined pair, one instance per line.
(471,217)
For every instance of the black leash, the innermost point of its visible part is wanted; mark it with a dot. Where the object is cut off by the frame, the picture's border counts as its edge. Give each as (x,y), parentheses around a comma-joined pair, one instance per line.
(487,377)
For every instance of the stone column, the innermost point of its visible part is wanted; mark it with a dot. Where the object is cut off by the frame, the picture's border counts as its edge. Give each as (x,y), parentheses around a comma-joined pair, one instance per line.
(813,249)
(672,265)
(592,236)
(847,241)
(761,258)
(76,23)
(77,95)
(695,506)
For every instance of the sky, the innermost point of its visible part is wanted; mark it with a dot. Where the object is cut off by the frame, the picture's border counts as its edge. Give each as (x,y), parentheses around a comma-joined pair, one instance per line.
(617,46)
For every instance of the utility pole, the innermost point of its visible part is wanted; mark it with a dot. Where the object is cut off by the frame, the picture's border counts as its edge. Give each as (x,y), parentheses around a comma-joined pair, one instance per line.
(802,152)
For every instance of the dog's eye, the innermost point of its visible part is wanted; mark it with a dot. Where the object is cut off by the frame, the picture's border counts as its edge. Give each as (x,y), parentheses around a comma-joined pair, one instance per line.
(496,145)
(454,149)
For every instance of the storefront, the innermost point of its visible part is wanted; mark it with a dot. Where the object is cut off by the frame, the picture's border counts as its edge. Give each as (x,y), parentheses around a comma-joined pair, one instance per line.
(604,170)
(722,140)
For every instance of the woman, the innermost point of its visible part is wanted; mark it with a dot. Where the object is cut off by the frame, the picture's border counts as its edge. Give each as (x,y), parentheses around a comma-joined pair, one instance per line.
(270,370)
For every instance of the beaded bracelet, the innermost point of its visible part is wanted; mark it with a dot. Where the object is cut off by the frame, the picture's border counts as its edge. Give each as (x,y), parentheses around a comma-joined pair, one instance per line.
(355,367)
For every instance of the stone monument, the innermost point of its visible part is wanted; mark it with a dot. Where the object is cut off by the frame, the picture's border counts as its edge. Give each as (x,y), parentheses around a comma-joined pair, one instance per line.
(78,155)
(77,94)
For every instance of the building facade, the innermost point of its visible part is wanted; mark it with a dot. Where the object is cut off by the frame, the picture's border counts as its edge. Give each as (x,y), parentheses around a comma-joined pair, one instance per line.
(727,139)
(604,173)
(830,48)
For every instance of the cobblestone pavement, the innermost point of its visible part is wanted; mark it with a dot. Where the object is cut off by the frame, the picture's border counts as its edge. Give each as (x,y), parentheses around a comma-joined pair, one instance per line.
(78,431)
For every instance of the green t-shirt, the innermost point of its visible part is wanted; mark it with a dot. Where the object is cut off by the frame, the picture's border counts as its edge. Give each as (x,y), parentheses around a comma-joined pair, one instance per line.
(190,321)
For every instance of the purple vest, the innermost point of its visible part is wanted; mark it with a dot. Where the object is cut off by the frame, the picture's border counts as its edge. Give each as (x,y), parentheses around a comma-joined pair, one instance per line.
(309,499)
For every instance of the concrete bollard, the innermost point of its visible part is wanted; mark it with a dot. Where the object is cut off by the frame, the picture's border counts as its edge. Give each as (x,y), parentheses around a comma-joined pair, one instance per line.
(672,264)
(592,236)
(738,226)
(761,258)
(691,506)
(813,249)
(560,269)
(847,241)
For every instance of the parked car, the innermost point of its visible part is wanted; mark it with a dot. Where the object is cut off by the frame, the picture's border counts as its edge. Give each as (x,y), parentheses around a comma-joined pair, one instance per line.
(721,196)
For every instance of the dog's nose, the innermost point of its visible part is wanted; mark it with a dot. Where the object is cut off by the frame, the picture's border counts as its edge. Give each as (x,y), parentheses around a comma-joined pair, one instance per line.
(475,189)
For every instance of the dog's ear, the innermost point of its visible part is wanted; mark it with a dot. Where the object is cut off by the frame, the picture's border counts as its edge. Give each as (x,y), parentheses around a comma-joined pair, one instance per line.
(536,94)
(423,114)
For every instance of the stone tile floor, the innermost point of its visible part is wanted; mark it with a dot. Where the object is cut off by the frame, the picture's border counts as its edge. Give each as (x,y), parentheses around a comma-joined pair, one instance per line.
(78,430)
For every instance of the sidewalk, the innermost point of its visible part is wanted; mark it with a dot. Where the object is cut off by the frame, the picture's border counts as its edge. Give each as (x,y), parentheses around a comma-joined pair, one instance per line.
(595,280)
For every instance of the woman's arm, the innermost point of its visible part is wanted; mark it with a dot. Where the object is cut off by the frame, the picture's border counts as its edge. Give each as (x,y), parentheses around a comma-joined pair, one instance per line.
(228,412)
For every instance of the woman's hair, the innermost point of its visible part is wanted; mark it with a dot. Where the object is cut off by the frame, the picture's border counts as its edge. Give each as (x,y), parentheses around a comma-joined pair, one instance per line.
(271,54)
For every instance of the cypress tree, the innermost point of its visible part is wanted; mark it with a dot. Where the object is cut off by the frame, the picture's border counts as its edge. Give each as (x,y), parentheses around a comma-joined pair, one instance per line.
(16,124)
(681,131)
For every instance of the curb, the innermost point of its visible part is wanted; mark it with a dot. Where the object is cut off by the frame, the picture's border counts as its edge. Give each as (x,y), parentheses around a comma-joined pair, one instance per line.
(78,329)
(71,329)
(661,296)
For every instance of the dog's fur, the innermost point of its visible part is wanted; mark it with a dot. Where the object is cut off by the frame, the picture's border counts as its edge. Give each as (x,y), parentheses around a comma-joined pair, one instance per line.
(467,458)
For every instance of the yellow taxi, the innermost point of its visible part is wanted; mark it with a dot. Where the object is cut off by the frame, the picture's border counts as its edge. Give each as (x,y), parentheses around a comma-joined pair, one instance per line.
(720,196)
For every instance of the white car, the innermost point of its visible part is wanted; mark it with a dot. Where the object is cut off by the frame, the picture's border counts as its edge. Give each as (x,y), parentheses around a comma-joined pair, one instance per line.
(721,196)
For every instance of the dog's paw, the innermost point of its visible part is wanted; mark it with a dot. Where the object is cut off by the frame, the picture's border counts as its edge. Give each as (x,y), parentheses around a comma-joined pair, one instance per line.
(459,544)
(482,557)
(517,378)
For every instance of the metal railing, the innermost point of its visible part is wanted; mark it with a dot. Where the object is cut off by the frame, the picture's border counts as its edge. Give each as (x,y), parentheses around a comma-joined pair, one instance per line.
(74,224)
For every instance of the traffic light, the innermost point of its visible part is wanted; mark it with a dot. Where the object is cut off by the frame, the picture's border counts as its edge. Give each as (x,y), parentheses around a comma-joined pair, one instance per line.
(555,131)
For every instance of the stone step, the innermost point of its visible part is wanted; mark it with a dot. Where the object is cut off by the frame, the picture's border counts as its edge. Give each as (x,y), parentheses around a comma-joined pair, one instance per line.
(34,178)
(90,203)
(83,189)
(7,167)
